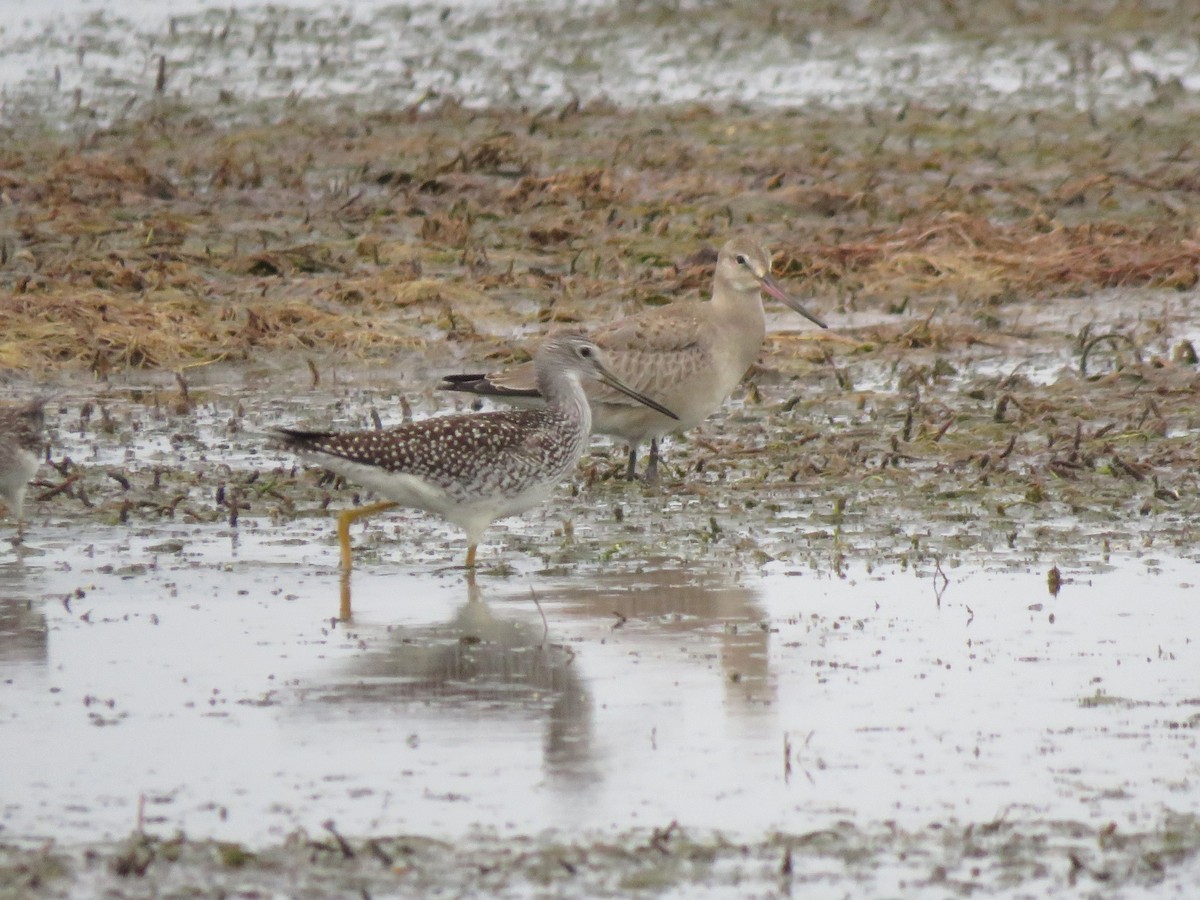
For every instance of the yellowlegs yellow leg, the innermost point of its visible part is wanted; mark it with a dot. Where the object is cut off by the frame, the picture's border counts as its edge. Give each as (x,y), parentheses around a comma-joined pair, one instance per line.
(687,356)
(21,441)
(349,517)
(473,469)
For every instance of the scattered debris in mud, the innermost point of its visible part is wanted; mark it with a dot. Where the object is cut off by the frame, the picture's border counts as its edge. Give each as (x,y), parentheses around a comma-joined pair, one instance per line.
(1041,858)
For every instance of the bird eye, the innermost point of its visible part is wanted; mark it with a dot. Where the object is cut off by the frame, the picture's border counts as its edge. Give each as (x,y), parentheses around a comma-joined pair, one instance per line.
(585,352)
(742,261)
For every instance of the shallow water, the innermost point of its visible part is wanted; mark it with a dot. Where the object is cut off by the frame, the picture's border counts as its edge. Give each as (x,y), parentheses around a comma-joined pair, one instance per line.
(178,673)
(84,62)
(214,684)
(702,660)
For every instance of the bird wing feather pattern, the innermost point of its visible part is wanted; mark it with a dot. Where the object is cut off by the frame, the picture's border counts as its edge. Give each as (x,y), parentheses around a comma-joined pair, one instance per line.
(451,452)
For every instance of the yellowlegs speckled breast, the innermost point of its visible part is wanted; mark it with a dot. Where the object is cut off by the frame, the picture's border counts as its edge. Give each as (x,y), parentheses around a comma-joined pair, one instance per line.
(21,442)
(475,468)
(688,356)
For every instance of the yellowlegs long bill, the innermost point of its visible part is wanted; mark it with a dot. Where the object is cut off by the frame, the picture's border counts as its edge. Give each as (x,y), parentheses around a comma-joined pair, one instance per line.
(688,356)
(21,442)
(472,469)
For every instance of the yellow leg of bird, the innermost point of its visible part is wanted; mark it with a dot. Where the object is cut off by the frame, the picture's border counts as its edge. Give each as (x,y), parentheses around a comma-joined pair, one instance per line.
(347,518)
(471,558)
(344,606)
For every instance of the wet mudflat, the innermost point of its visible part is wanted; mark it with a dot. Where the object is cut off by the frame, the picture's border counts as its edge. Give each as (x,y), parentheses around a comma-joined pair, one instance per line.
(205,689)
(913,614)
(777,700)
(782,673)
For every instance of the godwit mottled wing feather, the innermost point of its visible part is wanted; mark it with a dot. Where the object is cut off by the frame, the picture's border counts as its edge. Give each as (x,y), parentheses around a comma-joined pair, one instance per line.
(658,352)
(660,329)
(655,352)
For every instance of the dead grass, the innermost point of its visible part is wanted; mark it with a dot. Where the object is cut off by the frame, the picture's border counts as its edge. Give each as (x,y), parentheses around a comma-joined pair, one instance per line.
(976,259)
(155,246)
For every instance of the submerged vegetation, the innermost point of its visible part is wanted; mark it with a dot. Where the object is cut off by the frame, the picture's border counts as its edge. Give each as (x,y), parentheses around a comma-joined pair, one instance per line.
(950,860)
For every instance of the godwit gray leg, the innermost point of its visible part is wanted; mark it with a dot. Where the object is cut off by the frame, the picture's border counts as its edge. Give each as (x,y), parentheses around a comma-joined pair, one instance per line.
(631,466)
(652,465)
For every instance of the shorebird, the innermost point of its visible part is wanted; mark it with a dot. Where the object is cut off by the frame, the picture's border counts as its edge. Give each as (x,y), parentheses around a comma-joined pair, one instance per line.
(689,356)
(472,469)
(21,442)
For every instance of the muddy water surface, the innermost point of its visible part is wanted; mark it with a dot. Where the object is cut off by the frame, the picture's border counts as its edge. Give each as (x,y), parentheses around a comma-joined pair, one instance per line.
(199,672)
(88,61)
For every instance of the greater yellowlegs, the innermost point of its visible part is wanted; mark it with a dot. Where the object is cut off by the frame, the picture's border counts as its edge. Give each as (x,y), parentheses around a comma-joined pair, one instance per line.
(689,356)
(473,469)
(21,443)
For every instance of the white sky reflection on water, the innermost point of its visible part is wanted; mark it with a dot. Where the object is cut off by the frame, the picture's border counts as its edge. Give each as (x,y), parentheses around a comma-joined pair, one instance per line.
(213,684)
(91,61)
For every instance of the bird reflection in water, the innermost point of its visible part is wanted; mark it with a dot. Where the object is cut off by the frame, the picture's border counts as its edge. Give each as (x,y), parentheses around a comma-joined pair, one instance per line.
(482,664)
(667,599)
(23,632)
